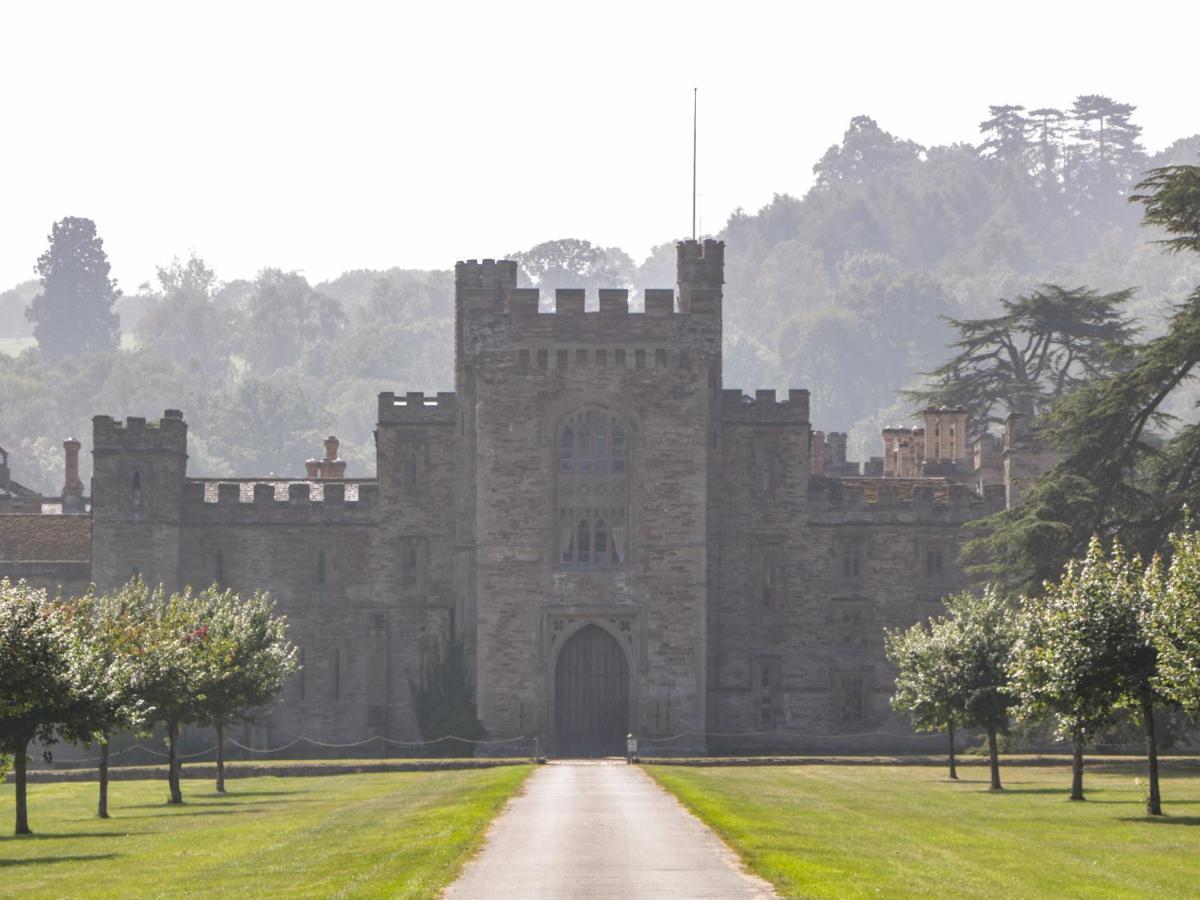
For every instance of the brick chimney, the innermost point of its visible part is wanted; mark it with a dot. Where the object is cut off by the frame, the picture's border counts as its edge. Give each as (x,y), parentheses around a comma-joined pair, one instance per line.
(72,492)
(331,467)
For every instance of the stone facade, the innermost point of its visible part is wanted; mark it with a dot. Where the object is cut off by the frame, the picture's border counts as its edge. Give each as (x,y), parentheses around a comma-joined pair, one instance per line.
(597,519)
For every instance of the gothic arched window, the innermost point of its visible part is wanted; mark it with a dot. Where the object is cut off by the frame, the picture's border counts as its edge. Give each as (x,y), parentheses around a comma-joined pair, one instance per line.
(592,488)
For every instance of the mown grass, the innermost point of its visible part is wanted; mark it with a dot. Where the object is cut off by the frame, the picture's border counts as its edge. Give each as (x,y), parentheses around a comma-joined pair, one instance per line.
(394,834)
(896,831)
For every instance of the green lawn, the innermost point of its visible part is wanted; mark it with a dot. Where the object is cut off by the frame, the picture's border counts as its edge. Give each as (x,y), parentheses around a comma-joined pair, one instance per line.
(395,834)
(838,831)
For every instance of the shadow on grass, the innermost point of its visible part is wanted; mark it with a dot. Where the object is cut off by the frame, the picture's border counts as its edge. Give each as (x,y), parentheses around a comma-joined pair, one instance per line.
(184,811)
(46,860)
(229,801)
(60,835)
(234,793)
(1193,821)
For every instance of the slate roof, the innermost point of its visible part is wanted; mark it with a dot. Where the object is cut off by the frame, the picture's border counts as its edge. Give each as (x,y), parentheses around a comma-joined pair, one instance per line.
(37,538)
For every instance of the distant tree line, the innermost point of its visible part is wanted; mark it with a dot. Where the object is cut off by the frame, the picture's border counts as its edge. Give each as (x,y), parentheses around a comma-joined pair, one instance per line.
(892,235)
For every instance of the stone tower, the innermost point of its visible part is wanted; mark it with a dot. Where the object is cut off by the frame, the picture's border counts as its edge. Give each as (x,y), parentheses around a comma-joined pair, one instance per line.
(138,476)
(584,507)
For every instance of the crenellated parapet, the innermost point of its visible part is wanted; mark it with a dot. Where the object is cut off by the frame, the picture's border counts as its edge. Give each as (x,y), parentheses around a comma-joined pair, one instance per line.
(949,500)
(763,408)
(277,500)
(416,408)
(137,433)
(700,267)
(496,315)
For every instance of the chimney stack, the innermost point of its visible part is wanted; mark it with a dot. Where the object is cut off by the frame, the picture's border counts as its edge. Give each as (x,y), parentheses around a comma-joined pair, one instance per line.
(331,467)
(72,492)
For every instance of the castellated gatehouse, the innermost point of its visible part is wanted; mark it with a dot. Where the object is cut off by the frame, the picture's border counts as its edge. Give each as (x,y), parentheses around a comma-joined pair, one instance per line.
(620,543)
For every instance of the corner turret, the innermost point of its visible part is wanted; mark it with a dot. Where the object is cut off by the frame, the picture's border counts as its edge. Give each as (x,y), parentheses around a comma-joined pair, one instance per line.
(700,271)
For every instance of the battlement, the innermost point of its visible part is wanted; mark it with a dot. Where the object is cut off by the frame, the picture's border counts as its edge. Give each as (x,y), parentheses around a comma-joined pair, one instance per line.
(136,433)
(416,408)
(493,313)
(254,495)
(700,271)
(523,304)
(709,252)
(487,274)
(763,407)
(903,494)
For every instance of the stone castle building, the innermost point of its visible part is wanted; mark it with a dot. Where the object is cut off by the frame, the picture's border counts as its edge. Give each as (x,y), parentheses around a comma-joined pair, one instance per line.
(621,543)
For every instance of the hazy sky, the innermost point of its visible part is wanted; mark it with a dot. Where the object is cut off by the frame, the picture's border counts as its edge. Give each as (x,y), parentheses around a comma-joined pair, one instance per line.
(329,136)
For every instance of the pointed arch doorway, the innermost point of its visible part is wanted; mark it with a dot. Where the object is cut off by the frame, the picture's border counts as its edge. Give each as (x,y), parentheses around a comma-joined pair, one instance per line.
(591,695)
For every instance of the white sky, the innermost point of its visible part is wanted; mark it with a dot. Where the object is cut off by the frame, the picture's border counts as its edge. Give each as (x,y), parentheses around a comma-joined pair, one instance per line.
(329,136)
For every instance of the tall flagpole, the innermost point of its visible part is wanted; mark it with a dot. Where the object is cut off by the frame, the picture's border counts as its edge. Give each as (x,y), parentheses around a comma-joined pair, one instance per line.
(694,106)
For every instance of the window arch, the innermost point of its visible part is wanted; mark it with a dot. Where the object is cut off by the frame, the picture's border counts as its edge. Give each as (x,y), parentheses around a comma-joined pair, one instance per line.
(135,493)
(592,440)
(592,487)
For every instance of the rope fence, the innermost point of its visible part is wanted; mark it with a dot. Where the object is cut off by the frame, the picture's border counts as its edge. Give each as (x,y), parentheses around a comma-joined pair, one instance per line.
(798,736)
(232,742)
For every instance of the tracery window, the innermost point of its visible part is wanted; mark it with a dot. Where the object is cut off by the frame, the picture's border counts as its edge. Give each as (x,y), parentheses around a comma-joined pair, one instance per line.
(592,489)
(592,441)
(591,537)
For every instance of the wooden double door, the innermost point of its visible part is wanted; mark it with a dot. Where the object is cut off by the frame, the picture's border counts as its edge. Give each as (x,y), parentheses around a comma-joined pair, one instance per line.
(591,695)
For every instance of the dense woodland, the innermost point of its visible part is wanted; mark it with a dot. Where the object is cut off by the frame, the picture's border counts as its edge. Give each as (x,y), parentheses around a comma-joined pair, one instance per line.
(892,237)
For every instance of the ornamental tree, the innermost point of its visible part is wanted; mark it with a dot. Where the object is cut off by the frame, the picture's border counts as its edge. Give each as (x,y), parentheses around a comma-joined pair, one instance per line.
(1175,622)
(927,679)
(1065,663)
(34,679)
(171,665)
(978,639)
(110,632)
(247,660)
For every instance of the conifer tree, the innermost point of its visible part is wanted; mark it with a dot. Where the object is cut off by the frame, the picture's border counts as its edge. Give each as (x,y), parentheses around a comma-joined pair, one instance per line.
(1042,346)
(1128,471)
(73,313)
(1006,136)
